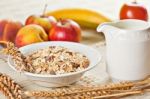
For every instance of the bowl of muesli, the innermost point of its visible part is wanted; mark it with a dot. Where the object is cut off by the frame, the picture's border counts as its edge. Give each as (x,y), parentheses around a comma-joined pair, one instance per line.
(56,63)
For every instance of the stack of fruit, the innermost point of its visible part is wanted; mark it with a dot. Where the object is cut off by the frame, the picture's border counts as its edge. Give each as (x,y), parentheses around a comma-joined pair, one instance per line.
(60,25)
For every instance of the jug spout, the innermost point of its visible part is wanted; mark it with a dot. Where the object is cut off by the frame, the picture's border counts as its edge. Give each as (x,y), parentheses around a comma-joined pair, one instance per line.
(103,27)
(125,29)
(109,29)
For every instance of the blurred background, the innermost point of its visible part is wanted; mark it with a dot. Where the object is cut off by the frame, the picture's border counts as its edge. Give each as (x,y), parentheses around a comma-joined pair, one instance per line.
(20,9)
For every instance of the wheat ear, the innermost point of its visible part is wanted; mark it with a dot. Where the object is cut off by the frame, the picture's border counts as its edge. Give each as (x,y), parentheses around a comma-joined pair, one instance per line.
(89,91)
(14,87)
(17,56)
(5,90)
(10,88)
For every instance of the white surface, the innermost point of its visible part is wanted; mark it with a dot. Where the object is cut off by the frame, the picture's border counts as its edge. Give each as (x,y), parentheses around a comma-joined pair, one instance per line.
(21,9)
(98,75)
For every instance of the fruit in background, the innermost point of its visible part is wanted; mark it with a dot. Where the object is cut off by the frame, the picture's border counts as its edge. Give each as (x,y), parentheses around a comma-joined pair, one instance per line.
(134,11)
(2,27)
(65,30)
(85,18)
(30,34)
(45,22)
(9,29)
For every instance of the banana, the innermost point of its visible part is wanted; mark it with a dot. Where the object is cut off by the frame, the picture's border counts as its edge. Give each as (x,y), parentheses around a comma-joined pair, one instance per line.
(84,17)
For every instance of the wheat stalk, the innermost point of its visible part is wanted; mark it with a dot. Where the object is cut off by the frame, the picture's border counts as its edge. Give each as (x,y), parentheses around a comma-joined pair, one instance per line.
(10,88)
(14,87)
(18,57)
(86,92)
(5,90)
(130,92)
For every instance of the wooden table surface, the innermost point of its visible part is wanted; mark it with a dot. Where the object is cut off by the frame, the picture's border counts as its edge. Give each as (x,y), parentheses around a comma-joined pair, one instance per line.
(19,10)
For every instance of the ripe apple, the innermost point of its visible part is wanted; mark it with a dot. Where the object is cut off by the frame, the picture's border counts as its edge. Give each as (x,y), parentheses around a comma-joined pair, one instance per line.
(45,21)
(9,29)
(30,34)
(65,30)
(134,11)
(2,28)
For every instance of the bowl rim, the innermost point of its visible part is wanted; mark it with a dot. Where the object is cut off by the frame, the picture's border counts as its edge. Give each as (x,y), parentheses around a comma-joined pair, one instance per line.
(58,75)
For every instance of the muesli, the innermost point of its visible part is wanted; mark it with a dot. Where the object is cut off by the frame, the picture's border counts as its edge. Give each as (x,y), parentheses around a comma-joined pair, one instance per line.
(56,60)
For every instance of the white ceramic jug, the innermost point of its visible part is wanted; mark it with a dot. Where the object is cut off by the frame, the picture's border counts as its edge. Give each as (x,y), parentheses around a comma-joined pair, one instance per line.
(127,49)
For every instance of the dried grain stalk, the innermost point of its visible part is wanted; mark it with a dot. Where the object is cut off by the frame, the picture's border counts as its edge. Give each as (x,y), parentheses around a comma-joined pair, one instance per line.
(10,88)
(17,56)
(121,94)
(5,90)
(88,92)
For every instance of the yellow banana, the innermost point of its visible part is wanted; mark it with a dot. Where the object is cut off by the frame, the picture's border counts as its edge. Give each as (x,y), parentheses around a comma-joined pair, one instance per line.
(86,18)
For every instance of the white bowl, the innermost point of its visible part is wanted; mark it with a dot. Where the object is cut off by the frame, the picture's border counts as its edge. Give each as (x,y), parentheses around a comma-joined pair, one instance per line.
(64,79)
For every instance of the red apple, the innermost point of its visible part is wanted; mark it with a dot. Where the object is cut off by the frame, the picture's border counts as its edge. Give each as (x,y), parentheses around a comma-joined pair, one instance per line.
(134,11)
(65,30)
(45,21)
(2,27)
(9,29)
